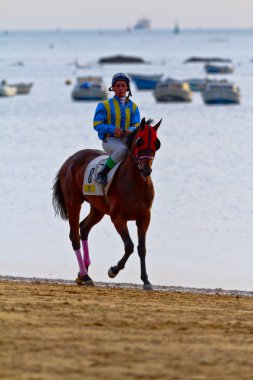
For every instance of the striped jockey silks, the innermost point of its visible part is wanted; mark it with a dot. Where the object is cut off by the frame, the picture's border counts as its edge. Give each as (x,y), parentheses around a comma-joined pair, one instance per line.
(111,114)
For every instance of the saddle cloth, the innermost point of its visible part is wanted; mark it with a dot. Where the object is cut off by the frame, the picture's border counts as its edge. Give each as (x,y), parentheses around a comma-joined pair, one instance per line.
(90,185)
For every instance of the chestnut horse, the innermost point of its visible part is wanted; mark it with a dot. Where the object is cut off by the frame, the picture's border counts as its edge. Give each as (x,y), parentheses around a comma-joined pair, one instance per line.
(130,197)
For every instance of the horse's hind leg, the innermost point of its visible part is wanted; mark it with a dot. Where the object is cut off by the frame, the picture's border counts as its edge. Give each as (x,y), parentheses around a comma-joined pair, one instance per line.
(85,226)
(74,213)
(121,226)
(142,226)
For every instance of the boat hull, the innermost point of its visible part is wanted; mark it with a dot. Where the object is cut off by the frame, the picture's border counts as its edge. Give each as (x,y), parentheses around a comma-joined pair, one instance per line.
(167,95)
(220,97)
(88,94)
(221,101)
(6,91)
(210,69)
(172,98)
(120,59)
(145,83)
(23,89)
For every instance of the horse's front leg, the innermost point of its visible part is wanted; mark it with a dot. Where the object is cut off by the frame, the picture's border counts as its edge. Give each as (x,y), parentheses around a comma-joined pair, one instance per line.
(74,213)
(85,226)
(142,226)
(121,226)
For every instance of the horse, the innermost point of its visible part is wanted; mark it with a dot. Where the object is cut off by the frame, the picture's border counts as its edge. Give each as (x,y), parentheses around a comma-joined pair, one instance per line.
(129,198)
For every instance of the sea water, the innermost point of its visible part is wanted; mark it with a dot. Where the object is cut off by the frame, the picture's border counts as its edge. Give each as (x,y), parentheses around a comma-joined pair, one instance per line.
(202,217)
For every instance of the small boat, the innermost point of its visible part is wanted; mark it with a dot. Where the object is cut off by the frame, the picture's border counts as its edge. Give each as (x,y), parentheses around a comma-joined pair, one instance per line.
(216,69)
(172,90)
(22,88)
(221,92)
(121,59)
(6,90)
(18,63)
(80,66)
(196,84)
(89,88)
(143,23)
(145,81)
(205,59)
(176,29)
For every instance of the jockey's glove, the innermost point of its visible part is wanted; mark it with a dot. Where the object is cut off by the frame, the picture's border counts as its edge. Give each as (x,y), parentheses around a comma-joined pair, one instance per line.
(118,132)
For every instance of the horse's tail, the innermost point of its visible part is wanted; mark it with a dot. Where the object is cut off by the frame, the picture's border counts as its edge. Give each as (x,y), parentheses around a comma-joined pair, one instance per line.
(58,198)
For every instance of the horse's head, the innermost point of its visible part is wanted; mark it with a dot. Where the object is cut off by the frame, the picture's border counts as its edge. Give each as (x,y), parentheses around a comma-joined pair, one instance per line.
(143,144)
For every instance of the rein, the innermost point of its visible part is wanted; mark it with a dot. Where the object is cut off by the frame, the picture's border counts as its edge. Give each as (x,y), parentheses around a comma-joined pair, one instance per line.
(137,161)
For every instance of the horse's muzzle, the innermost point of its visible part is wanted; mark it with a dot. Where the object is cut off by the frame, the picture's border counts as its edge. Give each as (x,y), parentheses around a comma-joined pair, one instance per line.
(146,172)
(145,166)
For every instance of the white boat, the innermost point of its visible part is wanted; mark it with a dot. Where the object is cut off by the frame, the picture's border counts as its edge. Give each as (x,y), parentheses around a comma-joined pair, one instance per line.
(89,88)
(21,88)
(7,90)
(172,90)
(221,92)
(144,23)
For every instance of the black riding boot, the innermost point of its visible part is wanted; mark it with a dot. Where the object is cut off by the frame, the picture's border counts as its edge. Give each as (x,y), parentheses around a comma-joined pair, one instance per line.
(102,175)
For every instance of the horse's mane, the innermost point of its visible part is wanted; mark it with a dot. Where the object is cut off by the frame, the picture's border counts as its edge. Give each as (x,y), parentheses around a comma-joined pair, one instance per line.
(131,136)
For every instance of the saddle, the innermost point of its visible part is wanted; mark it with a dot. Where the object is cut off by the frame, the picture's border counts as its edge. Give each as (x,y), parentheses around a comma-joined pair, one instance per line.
(90,185)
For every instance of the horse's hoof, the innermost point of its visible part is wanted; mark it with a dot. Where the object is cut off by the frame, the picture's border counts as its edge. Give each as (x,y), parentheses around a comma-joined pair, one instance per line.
(89,282)
(147,287)
(84,280)
(79,281)
(112,273)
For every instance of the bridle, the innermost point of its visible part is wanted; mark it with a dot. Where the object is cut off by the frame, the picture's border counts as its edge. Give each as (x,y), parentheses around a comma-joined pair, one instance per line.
(145,144)
(142,157)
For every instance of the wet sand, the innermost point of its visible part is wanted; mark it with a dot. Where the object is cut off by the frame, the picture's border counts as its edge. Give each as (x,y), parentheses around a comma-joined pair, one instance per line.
(62,331)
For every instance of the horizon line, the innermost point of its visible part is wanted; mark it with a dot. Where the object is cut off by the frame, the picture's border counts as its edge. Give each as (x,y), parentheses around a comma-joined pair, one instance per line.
(60,29)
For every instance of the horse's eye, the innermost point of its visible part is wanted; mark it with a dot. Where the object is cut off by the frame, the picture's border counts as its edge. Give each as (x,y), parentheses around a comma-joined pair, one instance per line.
(139,142)
(157,144)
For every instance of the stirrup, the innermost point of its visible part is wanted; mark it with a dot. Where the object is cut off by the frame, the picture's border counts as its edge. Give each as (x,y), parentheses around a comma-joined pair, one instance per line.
(101,179)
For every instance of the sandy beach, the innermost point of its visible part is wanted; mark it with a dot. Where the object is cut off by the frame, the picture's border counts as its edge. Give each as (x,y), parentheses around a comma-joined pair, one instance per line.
(64,331)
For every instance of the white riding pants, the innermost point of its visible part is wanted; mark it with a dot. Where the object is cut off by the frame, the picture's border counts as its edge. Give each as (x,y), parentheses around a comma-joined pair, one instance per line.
(115,147)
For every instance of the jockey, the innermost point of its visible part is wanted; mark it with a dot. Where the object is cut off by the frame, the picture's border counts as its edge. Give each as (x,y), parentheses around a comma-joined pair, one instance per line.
(114,119)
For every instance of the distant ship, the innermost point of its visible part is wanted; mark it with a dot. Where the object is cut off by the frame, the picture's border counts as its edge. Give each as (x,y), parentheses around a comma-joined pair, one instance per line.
(144,23)
(176,28)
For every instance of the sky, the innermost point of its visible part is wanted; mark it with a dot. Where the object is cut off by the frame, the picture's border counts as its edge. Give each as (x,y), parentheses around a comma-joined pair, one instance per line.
(118,14)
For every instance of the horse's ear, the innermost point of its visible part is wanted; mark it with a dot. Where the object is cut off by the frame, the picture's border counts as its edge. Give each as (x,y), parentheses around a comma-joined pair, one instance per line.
(143,122)
(157,125)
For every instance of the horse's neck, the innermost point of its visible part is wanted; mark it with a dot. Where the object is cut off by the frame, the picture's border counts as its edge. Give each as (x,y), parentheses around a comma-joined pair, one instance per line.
(130,166)
(132,172)
(130,182)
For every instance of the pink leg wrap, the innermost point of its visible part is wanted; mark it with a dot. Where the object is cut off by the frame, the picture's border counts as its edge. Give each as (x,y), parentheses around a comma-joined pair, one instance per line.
(83,270)
(86,257)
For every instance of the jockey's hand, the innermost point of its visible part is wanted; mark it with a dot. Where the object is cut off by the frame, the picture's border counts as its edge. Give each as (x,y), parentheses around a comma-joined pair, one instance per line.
(118,132)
